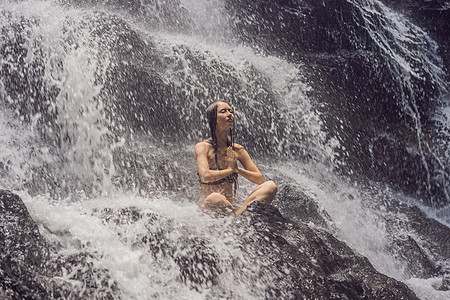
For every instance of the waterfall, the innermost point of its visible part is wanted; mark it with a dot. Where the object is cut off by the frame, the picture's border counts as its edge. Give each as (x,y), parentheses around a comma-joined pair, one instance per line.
(102,103)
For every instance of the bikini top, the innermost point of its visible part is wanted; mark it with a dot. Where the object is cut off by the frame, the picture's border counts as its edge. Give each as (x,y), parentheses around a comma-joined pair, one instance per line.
(232,178)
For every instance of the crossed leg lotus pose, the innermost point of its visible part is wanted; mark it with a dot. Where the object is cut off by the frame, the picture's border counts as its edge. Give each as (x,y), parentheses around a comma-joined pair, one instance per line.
(217,165)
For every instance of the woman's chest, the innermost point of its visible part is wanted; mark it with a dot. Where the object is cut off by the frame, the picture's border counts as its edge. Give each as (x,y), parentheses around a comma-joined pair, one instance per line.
(217,160)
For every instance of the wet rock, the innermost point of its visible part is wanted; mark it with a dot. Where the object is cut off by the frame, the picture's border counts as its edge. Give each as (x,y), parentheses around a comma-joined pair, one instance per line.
(30,270)
(433,16)
(166,240)
(362,90)
(75,277)
(24,81)
(422,243)
(445,285)
(199,264)
(298,206)
(395,163)
(311,263)
(295,260)
(418,262)
(24,252)
(169,14)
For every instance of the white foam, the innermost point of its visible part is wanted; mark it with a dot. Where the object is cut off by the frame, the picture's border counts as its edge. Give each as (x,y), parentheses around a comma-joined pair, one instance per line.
(428,289)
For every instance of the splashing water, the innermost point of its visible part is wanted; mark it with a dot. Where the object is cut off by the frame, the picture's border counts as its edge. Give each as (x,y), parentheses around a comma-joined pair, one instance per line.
(60,152)
(413,56)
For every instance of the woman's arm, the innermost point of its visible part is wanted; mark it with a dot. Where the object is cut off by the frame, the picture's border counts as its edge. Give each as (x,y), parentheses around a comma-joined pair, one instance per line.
(250,171)
(205,174)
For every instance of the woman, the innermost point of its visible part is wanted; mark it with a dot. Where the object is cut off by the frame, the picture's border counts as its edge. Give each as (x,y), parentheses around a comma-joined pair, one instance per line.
(217,165)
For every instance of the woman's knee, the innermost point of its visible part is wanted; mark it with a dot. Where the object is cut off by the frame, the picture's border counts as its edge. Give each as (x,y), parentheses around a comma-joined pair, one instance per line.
(215,200)
(271,187)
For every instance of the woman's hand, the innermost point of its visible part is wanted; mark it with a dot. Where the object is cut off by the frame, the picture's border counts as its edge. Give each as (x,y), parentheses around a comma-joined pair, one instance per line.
(230,160)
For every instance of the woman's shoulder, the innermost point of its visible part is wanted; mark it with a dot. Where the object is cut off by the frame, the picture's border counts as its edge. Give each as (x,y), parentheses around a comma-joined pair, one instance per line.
(205,144)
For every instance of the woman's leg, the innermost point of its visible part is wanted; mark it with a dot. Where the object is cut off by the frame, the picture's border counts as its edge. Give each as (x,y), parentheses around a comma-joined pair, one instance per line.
(215,201)
(264,193)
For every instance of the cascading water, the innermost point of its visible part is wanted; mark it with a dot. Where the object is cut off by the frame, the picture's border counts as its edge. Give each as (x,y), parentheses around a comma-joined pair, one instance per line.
(102,104)
(414,59)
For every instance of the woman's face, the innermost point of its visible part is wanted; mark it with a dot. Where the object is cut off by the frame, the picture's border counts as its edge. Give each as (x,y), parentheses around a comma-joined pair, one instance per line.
(225,116)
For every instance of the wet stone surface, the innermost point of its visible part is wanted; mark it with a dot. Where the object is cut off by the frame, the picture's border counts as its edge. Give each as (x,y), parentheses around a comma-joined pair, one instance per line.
(29,269)
(300,261)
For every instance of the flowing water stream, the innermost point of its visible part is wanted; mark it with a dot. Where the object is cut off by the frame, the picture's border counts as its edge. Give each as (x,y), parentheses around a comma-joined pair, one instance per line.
(102,104)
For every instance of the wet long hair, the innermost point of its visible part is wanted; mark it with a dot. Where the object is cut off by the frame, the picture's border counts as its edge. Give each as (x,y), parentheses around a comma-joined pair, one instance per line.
(211,114)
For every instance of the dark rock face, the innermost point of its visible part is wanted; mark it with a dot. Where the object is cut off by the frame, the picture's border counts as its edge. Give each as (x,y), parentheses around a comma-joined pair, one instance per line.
(434,16)
(296,205)
(198,263)
(422,245)
(145,92)
(295,28)
(417,241)
(314,264)
(24,81)
(24,252)
(28,266)
(304,262)
(390,161)
(168,14)
(364,93)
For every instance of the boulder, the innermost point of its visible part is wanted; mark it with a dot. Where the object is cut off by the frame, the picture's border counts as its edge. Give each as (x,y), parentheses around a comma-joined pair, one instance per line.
(30,268)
